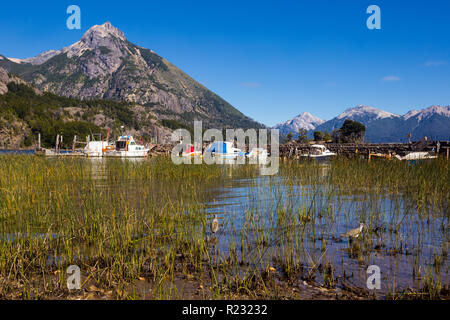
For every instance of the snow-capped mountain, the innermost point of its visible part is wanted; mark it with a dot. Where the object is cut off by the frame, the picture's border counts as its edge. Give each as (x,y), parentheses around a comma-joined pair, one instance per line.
(423,114)
(365,113)
(432,122)
(304,120)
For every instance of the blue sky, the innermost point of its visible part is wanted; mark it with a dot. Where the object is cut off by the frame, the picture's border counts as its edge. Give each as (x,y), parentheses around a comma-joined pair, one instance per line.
(270,59)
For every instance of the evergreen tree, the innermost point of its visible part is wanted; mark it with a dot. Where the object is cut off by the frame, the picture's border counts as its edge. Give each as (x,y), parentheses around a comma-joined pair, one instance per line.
(318,136)
(350,132)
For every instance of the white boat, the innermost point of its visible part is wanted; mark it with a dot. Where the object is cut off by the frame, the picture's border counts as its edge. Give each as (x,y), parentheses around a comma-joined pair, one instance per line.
(416,156)
(319,151)
(223,149)
(96,148)
(126,147)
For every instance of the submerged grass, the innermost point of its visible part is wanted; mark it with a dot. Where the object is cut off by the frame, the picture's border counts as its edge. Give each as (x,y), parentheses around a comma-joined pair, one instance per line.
(123,222)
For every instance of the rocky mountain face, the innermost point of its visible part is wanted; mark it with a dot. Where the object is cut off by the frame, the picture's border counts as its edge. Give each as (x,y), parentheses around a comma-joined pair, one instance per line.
(11,130)
(383,126)
(304,120)
(104,64)
(4,80)
(6,77)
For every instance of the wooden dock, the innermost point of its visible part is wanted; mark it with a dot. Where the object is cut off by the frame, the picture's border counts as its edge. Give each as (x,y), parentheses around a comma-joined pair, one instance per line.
(293,149)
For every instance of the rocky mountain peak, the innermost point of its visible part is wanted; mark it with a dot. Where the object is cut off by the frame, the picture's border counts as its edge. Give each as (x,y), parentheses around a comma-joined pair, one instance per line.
(102,31)
(100,51)
(105,37)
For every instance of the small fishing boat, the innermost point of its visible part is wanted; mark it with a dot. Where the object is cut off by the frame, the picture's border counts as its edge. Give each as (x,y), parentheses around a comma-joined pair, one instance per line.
(126,147)
(223,150)
(258,153)
(319,152)
(190,152)
(416,156)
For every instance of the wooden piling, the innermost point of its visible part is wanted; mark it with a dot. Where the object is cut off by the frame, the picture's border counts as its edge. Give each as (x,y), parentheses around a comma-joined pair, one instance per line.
(87,144)
(56,144)
(74,142)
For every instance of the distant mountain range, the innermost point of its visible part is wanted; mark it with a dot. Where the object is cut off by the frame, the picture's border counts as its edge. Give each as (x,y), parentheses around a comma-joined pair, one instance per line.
(381,126)
(105,65)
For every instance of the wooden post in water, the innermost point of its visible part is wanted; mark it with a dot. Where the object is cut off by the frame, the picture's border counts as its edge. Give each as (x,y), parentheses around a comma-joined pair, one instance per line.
(74,143)
(87,145)
(56,145)
(39,141)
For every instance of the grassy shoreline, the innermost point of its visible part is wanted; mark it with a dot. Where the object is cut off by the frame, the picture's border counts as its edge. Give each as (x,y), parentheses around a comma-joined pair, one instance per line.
(141,230)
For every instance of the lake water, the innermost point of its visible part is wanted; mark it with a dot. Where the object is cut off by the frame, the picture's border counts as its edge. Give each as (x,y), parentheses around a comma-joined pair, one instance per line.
(404,256)
(12,152)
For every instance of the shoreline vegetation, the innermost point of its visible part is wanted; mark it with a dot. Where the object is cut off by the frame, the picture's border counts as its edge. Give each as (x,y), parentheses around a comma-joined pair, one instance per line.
(141,230)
